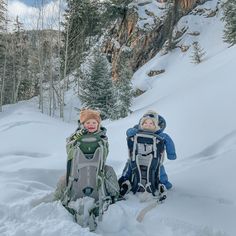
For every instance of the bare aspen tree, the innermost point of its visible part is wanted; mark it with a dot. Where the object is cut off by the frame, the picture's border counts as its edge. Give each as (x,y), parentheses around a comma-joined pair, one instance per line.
(18,58)
(54,93)
(61,103)
(3,81)
(63,89)
(3,48)
(57,82)
(50,78)
(54,65)
(40,56)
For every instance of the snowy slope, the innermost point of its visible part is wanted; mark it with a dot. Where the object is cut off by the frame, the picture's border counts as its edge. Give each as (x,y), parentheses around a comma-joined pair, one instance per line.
(198,104)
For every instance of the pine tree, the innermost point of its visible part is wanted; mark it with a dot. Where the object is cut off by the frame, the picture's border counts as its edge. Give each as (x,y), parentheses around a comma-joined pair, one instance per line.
(2,69)
(2,14)
(171,14)
(114,9)
(81,24)
(198,53)
(20,56)
(95,85)
(123,89)
(230,21)
(3,50)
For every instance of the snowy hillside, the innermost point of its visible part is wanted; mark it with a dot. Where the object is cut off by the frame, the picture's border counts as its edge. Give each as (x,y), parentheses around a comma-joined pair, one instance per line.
(197,102)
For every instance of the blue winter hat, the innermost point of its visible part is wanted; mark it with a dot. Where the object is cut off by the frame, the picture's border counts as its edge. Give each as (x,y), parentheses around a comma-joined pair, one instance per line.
(152,115)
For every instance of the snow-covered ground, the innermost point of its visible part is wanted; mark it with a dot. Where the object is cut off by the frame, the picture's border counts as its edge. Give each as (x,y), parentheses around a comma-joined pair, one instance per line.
(197,102)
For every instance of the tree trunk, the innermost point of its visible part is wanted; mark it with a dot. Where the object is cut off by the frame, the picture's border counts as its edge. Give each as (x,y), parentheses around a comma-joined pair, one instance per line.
(40,52)
(3,83)
(63,88)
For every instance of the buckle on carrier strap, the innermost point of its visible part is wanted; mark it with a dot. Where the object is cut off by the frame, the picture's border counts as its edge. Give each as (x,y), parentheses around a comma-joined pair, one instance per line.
(144,149)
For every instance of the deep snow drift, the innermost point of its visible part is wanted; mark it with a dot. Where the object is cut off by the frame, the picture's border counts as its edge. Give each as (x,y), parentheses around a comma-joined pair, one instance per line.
(198,104)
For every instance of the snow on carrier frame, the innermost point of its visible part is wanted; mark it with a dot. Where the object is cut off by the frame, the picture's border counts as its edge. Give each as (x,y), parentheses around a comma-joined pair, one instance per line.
(146,159)
(90,179)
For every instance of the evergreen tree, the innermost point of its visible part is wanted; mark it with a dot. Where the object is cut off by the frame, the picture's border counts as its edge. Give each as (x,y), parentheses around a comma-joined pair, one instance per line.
(198,53)
(85,21)
(6,71)
(81,24)
(95,85)
(2,51)
(121,2)
(123,89)
(20,56)
(230,21)
(171,14)
(2,69)
(2,14)
(15,65)
(114,9)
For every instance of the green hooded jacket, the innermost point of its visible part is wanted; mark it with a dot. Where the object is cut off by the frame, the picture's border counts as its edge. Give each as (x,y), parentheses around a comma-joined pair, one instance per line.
(88,143)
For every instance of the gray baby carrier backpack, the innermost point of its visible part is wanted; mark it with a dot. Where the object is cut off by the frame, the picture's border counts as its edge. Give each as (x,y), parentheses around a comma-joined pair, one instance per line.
(91,185)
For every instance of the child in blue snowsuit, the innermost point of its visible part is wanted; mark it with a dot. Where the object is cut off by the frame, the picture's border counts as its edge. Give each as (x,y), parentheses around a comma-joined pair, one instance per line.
(153,123)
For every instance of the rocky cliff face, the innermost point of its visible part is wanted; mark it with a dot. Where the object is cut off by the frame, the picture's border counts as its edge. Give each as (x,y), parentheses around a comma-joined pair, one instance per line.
(143,30)
(187,4)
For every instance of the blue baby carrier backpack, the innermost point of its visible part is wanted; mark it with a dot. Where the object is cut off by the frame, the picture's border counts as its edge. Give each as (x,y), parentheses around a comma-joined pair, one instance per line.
(147,157)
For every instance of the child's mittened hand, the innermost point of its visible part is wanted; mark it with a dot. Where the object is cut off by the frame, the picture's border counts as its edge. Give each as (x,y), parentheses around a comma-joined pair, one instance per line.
(171,156)
(124,188)
(83,131)
(80,133)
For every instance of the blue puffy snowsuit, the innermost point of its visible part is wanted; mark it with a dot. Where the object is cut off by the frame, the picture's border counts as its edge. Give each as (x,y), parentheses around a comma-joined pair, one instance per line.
(169,146)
